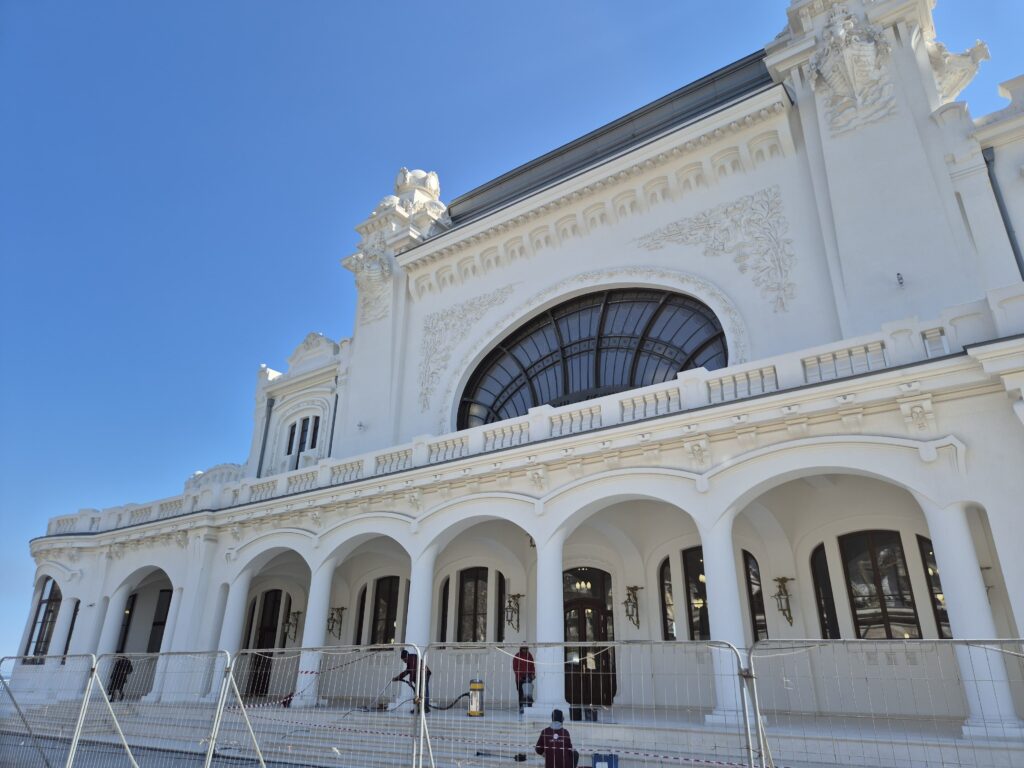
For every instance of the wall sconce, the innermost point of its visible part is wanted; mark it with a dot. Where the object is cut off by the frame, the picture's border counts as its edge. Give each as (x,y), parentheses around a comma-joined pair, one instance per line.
(334,618)
(512,610)
(291,626)
(632,605)
(782,598)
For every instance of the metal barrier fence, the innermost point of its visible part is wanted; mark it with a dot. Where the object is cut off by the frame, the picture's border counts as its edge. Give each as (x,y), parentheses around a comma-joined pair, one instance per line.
(782,704)
(929,703)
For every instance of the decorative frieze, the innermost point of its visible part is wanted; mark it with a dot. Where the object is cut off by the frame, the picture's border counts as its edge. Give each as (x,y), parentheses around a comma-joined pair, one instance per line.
(620,195)
(751,229)
(443,330)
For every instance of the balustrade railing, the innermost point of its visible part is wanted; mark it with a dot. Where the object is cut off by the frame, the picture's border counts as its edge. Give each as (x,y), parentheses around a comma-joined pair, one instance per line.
(224,486)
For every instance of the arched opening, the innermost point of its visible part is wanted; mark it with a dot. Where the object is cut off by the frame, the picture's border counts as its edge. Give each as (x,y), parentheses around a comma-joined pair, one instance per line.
(593,345)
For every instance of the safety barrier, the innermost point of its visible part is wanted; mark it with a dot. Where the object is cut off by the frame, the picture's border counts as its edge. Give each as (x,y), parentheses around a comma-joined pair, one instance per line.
(780,704)
(890,702)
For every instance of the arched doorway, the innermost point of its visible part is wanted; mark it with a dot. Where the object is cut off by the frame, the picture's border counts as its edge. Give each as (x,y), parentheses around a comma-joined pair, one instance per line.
(266,630)
(589,624)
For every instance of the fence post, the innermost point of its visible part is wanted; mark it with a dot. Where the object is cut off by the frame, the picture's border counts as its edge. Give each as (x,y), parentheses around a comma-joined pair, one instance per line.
(81,712)
(219,712)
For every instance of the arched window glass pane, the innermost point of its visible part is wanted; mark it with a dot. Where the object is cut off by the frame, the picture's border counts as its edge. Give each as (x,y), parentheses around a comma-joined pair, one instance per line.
(385,610)
(442,630)
(361,610)
(499,608)
(931,575)
(696,594)
(45,618)
(823,596)
(881,598)
(755,597)
(593,345)
(668,606)
(472,606)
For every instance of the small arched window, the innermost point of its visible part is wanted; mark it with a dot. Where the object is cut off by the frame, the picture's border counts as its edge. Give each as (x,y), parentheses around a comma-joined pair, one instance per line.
(45,618)
(303,435)
(590,346)
(823,597)
(499,609)
(668,606)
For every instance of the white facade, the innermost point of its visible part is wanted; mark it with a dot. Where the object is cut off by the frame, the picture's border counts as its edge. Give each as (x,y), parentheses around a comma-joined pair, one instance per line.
(849,224)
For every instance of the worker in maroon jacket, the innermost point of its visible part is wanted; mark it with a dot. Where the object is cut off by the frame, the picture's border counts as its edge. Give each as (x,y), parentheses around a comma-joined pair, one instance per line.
(411,661)
(525,671)
(555,744)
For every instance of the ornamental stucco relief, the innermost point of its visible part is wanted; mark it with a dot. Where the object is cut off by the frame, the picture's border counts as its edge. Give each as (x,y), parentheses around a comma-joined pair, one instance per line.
(954,71)
(752,229)
(849,69)
(443,330)
(372,269)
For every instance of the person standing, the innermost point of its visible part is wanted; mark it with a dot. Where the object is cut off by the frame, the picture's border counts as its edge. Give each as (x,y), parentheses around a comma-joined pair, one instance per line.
(555,744)
(525,671)
(411,661)
(119,676)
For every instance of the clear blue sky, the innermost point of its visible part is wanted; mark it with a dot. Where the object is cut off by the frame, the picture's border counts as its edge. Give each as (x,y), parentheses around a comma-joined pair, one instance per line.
(178,181)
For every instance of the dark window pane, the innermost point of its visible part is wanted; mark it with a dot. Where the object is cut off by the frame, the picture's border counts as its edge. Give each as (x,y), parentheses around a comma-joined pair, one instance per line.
(291,439)
(880,595)
(126,622)
(442,634)
(931,574)
(45,619)
(696,593)
(755,597)
(385,610)
(156,634)
(316,432)
(668,607)
(361,611)
(472,625)
(823,596)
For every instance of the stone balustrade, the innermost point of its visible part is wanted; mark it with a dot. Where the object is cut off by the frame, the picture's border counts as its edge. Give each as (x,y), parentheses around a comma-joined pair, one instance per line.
(899,343)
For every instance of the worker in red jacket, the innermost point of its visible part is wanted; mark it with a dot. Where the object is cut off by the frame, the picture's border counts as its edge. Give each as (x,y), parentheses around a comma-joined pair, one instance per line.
(524,671)
(555,744)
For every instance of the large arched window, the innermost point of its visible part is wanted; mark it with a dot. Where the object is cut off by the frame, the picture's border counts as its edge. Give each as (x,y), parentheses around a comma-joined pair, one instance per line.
(881,597)
(590,346)
(45,618)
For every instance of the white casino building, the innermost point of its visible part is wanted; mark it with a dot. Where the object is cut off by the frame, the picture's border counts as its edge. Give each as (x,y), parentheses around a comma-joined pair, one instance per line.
(770,326)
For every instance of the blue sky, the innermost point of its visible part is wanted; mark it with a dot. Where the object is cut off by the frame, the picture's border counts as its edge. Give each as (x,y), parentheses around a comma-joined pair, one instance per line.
(178,182)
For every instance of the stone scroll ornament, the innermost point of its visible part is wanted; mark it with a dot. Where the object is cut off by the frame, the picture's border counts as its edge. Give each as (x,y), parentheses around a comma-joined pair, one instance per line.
(372,269)
(752,230)
(849,69)
(444,330)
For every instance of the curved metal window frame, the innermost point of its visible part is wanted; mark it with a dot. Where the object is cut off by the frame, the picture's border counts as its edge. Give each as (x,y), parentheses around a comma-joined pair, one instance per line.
(592,345)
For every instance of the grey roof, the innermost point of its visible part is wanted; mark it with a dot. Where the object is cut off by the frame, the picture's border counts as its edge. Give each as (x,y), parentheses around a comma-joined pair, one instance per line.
(700,97)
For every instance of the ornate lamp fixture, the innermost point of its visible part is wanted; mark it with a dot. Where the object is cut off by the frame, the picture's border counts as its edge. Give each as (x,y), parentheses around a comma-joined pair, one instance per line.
(632,605)
(782,598)
(334,618)
(512,610)
(291,626)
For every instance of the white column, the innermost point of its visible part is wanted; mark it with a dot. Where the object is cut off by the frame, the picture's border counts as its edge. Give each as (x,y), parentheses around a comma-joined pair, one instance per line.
(550,683)
(33,609)
(59,638)
(982,672)
(176,666)
(314,635)
(112,621)
(421,594)
(1005,536)
(231,628)
(725,615)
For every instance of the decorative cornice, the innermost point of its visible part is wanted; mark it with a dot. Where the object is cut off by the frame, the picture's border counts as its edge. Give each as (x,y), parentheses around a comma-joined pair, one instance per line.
(604,182)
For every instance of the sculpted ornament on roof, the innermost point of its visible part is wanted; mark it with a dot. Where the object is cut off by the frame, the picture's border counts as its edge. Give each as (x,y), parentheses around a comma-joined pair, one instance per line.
(849,69)
(955,71)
